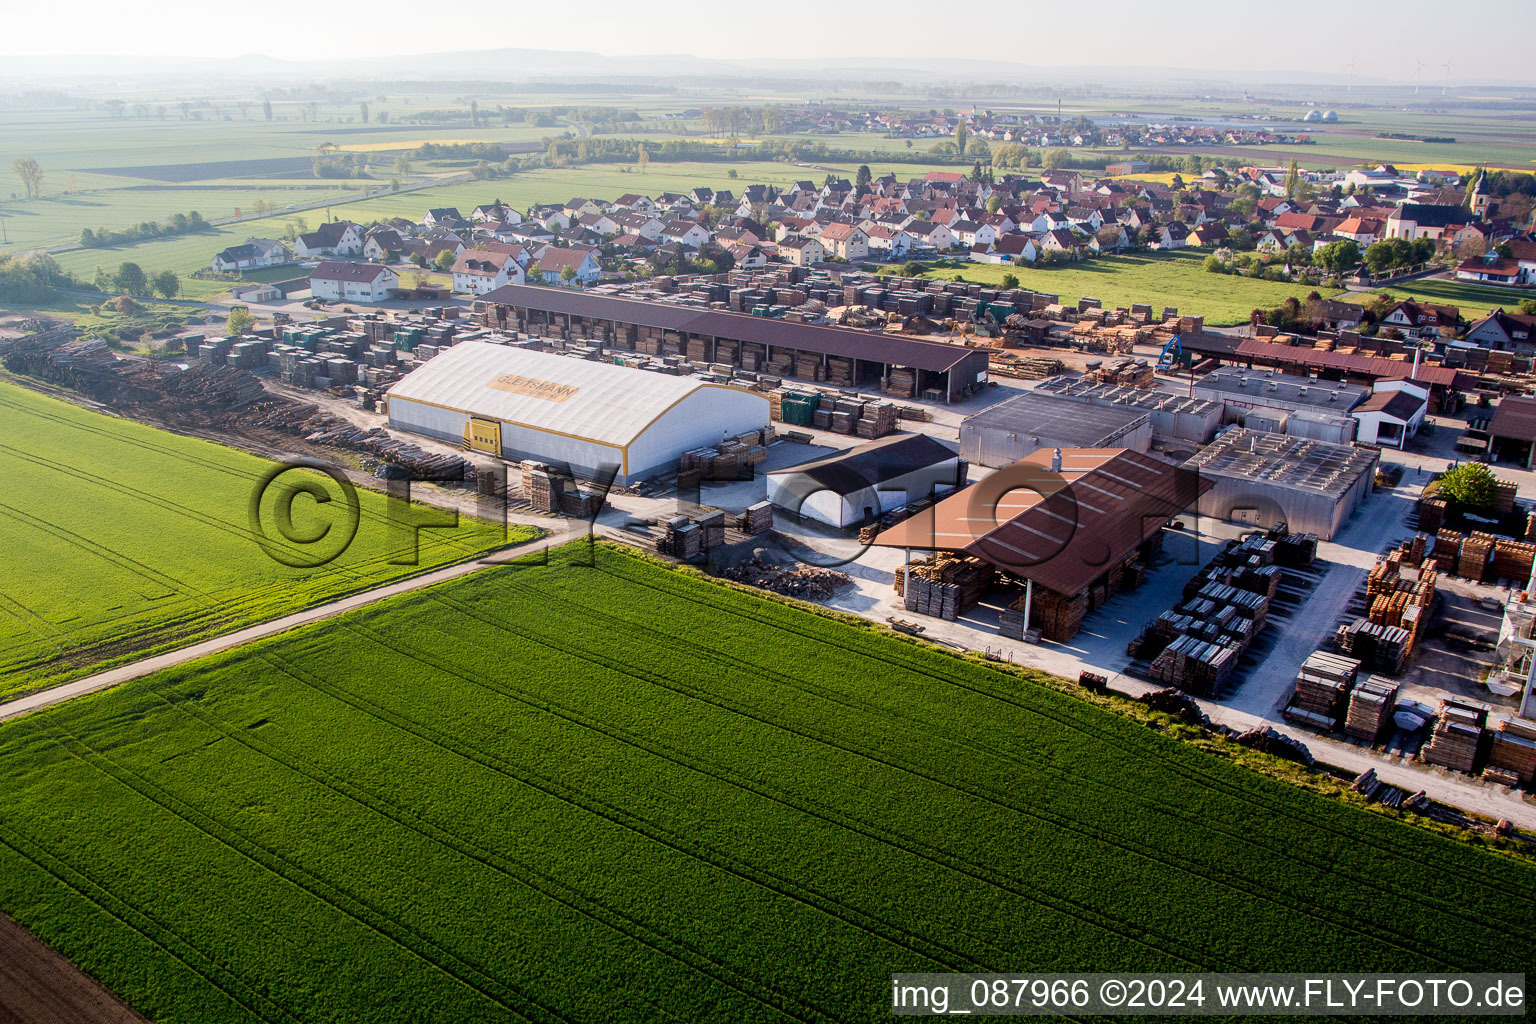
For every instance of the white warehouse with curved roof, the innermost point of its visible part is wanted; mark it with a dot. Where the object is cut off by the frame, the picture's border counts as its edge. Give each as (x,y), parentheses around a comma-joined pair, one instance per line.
(588,415)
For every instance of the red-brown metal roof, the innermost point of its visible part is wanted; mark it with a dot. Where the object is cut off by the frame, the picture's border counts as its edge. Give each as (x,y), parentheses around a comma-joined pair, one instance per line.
(1059,529)
(1514,418)
(1369,366)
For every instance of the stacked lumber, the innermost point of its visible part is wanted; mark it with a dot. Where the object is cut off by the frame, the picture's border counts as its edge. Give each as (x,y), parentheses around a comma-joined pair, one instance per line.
(1504,497)
(877,420)
(945,586)
(757,518)
(1476,550)
(807,367)
(1010,364)
(1196,666)
(550,489)
(840,371)
(1322,685)
(1378,648)
(1513,748)
(1447,551)
(1370,709)
(1458,734)
(1431,514)
(1296,549)
(1512,559)
(711,529)
(1011,622)
(683,539)
(538,488)
(1058,618)
(1530,526)
(901,383)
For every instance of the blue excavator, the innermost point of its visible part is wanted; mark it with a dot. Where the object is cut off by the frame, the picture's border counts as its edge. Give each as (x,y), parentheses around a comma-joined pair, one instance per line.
(1173,355)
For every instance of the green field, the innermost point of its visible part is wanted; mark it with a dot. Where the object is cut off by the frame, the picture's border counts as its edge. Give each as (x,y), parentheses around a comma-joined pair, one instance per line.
(122,540)
(621,793)
(1172,279)
(1475,300)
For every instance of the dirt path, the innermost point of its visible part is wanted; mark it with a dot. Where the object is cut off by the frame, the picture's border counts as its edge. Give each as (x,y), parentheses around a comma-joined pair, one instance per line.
(39,986)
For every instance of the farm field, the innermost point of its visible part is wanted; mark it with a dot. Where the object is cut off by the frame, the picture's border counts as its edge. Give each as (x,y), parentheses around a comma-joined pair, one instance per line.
(619,792)
(1175,279)
(1475,300)
(122,540)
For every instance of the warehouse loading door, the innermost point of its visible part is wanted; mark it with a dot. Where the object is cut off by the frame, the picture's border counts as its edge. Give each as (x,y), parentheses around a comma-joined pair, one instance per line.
(485,435)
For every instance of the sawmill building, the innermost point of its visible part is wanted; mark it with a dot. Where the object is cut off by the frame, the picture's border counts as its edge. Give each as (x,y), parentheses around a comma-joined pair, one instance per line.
(836,355)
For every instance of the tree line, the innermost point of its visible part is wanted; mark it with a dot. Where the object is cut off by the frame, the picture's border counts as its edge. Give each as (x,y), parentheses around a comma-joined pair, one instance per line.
(179,224)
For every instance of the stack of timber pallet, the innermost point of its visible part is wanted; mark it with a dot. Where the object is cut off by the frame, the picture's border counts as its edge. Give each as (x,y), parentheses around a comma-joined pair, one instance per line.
(944,586)
(807,367)
(878,419)
(1513,748)
(1057,617)
(1011,622)
(1431,514)
(901,383)
(549,489)
(1447,551)
(840,371)
(1370,709)
(1512,559)
(757,518)
(1322,685)
(1296,549)
(683,539)
(1476,550)
(1377,647)
(1530,526)
(712,529)
(1196,666)
(1458,734)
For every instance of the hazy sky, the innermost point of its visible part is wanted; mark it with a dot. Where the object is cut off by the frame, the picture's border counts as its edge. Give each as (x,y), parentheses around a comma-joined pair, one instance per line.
(1485,39)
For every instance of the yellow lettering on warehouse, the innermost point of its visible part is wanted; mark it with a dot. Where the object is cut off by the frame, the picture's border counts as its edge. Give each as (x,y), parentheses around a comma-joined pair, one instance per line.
(533,388)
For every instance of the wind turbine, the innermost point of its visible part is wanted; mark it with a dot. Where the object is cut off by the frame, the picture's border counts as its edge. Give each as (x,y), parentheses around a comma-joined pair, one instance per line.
(1446,87)
(1418,77)
(1349,83)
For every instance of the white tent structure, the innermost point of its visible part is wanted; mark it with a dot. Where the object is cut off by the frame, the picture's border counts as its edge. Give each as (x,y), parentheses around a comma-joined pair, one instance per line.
(588,415)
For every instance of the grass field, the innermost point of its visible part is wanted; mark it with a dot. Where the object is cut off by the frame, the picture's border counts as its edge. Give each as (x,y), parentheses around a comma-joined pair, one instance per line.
(121,540)
(620,793)
(1172,279)
(1475,300)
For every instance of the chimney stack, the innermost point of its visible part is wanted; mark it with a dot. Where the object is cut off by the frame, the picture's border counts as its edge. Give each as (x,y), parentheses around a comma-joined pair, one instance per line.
(1056,461)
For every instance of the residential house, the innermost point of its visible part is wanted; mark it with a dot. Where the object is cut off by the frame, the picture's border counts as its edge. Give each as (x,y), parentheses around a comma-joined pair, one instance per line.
(253,253)
(845,241)
(599,223)
(748,257)
(352,282)
(578,208)
(635,202)
(801,251)
(685,232)
(1505,332)
(552,263)
(1060,240)
(477,271)
(1416,319)
(443,217)
(1363,231)
(890,243)
(336,238)
(973,235)
(1173,236)
(1014,248)
(1209,235)
(634,222)
(1490,268)
(926,234)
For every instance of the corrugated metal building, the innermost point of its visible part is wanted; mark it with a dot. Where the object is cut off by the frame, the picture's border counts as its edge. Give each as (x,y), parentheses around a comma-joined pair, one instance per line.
(1011,430)
(1173,416)
(1262,479)
(857,485)
(1280,403)
(588,415)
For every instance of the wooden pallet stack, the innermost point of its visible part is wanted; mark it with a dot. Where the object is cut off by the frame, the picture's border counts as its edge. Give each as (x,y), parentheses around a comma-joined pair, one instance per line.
(538,488)
(1512,748)
(1011,622)
(877,420)
(1377,647)
(1296,549)
(1476,550)
(1512,559)
(1504,497)
(1196,666)
(1447,550)
(1431,514)
(683,539)
(711,529)
(945,586)
(901,383)
(757,518)
(1322,685)
(1057,617)
(807,367)
(1530,526)
(1370,709)
(1458,734)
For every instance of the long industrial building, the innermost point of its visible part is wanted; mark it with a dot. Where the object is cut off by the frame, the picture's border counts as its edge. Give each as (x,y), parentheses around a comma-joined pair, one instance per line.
(588,415)
(1178,417)
(1013,429)
(1262,479)
(857,485)
(837,355)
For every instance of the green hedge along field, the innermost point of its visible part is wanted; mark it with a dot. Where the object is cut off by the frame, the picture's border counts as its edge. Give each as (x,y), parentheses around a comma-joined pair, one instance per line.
(622,793)
(122,540)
